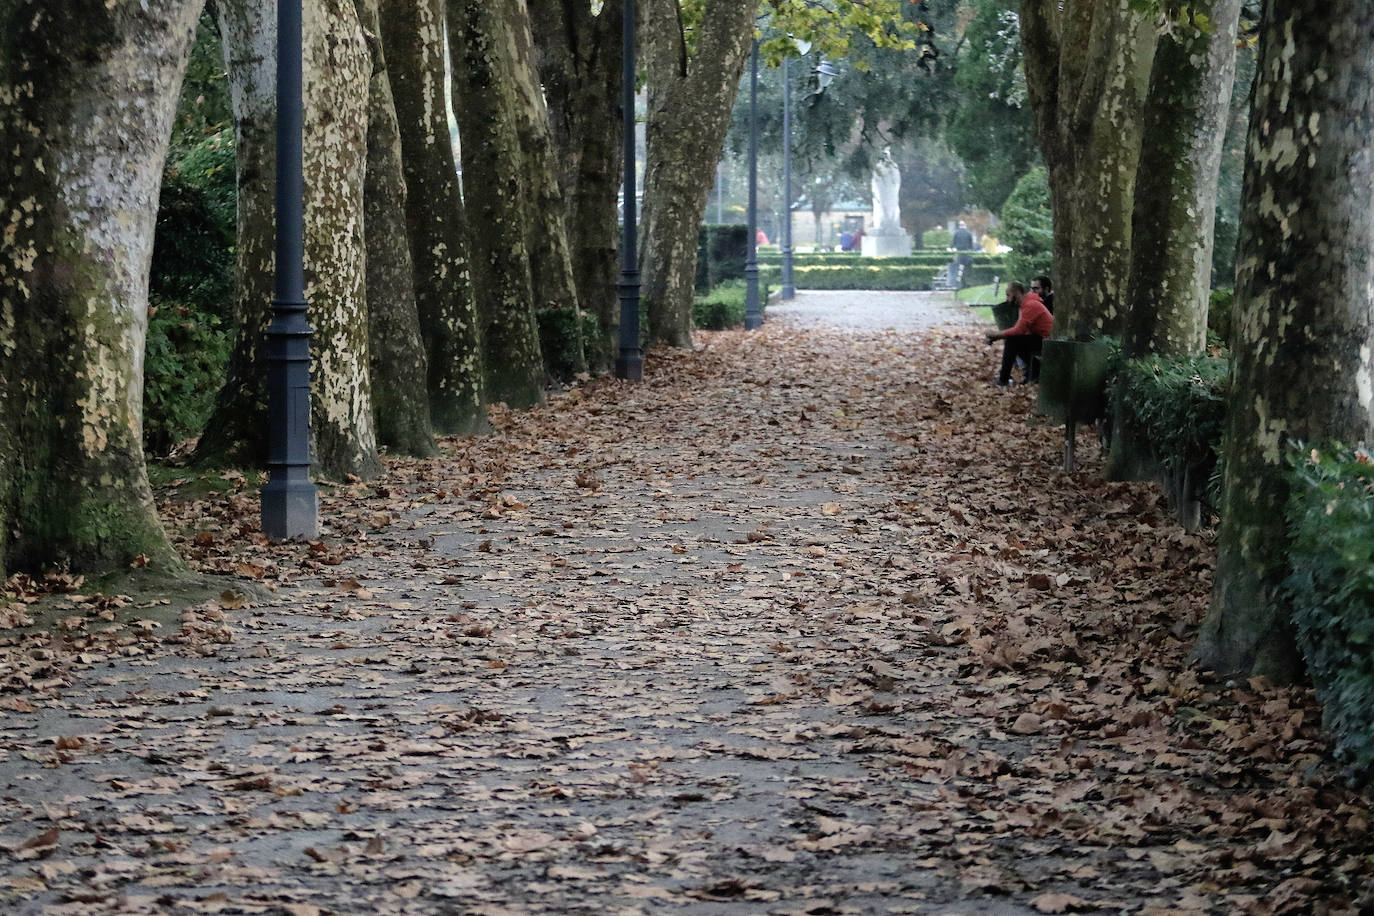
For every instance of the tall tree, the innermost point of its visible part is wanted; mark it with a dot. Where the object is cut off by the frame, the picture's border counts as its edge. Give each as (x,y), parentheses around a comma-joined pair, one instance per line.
(692,83)
(991,126)
(553,286)
(1301,360)
(87,93)
(1176,186)
(396,356)
(580,66)
(337,68)
(483,44)
(1087,68)
(413,39)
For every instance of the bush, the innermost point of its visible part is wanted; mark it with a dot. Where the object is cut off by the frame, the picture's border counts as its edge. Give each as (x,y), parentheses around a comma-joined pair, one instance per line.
(723,307)
(1331,522)
(937,238)
(190,293)
(184,362)
(1179,405)
(722,251)
(1219,309)
(1028,227)
(564,337)
(878,274)
(193,246)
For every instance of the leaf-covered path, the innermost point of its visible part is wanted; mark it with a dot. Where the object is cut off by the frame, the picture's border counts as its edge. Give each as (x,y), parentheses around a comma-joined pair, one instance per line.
(811,621)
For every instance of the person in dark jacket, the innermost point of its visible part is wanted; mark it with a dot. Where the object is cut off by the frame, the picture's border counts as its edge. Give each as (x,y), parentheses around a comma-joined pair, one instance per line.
(1043,287)
(1026,338)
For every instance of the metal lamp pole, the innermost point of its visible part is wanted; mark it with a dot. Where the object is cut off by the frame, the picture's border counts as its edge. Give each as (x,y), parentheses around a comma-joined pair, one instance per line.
(629,365)
(290,504)
(753,312)
(788,290)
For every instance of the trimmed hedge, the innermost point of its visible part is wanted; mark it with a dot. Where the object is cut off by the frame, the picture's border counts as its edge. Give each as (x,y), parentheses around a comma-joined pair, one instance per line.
(1331,522)
(1180,407)
(873,274)
(723,307)
(721,253)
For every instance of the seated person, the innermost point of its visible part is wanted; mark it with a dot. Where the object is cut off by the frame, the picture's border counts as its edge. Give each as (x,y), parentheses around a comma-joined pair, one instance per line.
(1043,287)
(1026,338)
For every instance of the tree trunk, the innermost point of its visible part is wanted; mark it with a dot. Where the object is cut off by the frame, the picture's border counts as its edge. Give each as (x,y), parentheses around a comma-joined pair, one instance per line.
(1176,186)
(690,100)
(483,47)
(580,66)
(89,89)
(396,355)
(413,39)
(1087,69)
(337,70)
(1175,212)
(1301,363)
(555,296)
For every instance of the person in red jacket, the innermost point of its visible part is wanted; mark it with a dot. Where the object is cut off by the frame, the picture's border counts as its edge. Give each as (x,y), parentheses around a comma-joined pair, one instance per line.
(1026,338)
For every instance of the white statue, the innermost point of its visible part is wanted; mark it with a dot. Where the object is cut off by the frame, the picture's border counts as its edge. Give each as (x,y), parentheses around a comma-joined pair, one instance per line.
(887,181)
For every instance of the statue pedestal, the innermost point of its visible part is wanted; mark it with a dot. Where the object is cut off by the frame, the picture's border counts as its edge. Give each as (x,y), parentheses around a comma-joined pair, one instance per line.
(886,246)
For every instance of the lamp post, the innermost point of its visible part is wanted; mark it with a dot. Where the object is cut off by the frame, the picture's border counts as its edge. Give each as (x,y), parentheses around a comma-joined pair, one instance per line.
(753,311)
(629,365)
(789,291)
(290,504)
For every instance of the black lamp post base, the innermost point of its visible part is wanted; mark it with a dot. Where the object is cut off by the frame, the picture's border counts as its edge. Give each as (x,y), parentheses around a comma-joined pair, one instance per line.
(630,368)
(290,510)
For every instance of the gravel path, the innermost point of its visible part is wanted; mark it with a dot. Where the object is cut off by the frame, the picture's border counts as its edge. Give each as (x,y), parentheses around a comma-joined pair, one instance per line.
(705,645)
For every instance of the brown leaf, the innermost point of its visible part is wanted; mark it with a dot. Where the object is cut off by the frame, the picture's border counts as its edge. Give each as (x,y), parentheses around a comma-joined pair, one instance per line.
(1058,903)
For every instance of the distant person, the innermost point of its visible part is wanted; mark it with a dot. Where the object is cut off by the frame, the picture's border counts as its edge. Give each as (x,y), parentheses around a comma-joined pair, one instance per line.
(1043,287)
(962,242)
(846,241)
(1026,338)
(760,237)
(963,239)
(858,243)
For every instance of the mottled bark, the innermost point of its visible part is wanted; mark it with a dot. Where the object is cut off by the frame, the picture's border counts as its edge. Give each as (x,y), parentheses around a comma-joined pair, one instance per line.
(580,65)
(248,36)
(337,70)
(1175,211)
(690,100)
(555,295)
(483,46)
(1176,184)
(1302,345)
(88,89)
(413,38)
(396,355)
(1087,69)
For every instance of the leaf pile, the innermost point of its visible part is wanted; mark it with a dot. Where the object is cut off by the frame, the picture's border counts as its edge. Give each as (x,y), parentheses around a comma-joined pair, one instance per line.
(808,622)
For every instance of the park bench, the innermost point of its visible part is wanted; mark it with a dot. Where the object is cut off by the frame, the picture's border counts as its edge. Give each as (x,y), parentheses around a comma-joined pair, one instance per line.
(948,278)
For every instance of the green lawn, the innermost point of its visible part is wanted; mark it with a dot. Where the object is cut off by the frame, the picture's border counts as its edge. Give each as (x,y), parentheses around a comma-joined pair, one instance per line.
(983,295)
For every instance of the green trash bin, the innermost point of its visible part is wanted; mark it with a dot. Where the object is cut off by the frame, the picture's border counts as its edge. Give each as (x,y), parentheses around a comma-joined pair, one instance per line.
(1073,385)
(1005,314)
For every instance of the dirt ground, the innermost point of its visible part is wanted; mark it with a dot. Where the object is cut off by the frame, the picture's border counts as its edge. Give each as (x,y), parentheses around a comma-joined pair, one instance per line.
(810,621)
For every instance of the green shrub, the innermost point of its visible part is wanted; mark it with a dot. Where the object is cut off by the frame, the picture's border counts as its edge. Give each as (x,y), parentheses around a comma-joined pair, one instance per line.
(190,293)
(937,238)
(1028,227)
(875,274)
(1180,407)
(722,251)
(1219,309)
(723,307)
(185,358)
(1331,523)
(564,335)
(193,245)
